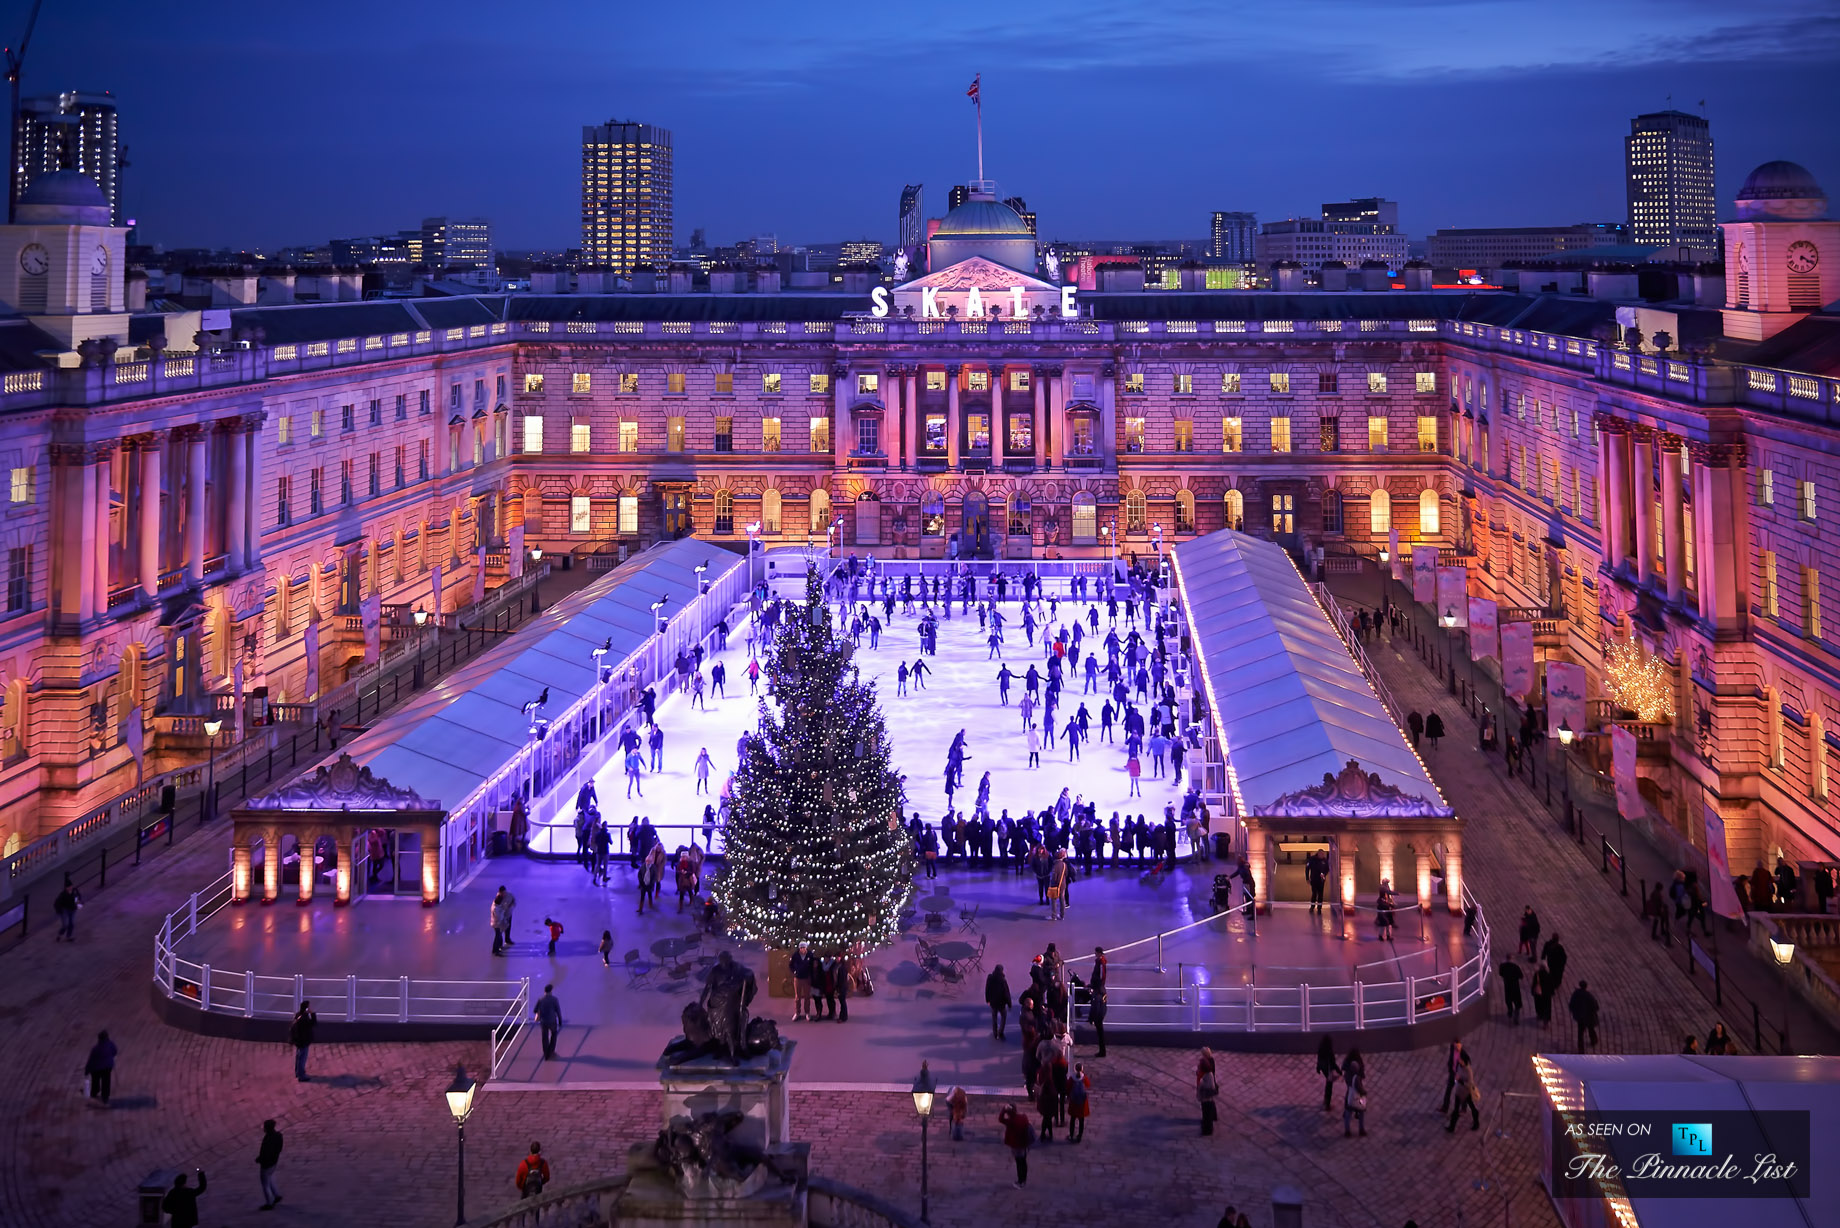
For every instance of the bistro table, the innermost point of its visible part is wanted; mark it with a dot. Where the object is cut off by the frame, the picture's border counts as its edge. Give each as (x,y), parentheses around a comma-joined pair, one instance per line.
(935,909)
(953,957)
(671,952)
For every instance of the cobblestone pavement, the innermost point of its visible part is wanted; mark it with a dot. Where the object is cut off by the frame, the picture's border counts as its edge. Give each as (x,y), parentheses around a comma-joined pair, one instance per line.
(368,1139)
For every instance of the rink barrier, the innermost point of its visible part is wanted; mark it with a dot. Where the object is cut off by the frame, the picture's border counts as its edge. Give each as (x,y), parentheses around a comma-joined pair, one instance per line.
(229,1002)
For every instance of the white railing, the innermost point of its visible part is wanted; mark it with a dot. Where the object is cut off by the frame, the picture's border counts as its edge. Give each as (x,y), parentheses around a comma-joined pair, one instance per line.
(503,1006)
(1352,642)
(1193,1003)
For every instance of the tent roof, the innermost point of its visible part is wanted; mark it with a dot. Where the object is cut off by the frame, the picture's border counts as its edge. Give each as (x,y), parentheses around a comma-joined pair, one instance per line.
(1291,704)
(448,741)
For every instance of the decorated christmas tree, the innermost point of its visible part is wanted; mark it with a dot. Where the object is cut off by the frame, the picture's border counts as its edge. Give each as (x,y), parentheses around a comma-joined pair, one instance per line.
(815,849)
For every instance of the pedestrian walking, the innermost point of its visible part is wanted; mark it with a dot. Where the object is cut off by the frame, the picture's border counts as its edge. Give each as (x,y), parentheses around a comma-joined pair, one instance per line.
(1096,997)
(548,1014)
(1047,1095)
(1207,1090)
(501,919)
(65,906)
(1468,1096)
(1354,1094)
(300,1035)
(1415,724)
(1079,1102)
(606,948)
(268,1156)
(1455,1059)
(532,1172)
(1657,911)
(181,1202)
(1434,729)
(1554,957)
(100,1067)
(1543,990)
(1529,934)
(1584,1008)
(1018,1136)
(1718,1042)
(996,996)
(1511,989)
(1326,1067)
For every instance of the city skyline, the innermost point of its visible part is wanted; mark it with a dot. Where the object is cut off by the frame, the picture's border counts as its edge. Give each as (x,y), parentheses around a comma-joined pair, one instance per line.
(1451,85)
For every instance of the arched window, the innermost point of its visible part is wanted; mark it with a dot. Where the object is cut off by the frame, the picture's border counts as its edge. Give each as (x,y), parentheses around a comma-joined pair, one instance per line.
(1136,509)
(1332,511)
(769,510)
(1085,518)
(820,511)
(15,723)
(1236,509)
(933,515)
(1817,757)
(1773,717)
(1185,511)
(1380,513)
(1427,513)
(725,512)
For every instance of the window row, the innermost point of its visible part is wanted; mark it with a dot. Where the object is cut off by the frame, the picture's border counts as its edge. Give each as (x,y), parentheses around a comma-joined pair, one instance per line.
(358,479)
(1183,384)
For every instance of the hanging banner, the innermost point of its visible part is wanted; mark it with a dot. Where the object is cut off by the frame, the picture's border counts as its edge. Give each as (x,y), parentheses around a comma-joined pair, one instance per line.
(1453,595)
(1718,867)
(1516,659)
(479,575)
(311,648)
(1482,629)
(236,674)
(1424,574)
(134,733)
(370,614)
(434,590)
(514,560)
(1565,697)
(1393,557)
(1623,772)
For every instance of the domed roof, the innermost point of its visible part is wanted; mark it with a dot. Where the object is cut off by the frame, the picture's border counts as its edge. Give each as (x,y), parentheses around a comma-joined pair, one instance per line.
(64,196)
(982,216)
(1781,191)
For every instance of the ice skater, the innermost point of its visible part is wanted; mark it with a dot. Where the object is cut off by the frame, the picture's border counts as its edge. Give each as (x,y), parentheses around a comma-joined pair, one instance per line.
(703,765)
(1003,679)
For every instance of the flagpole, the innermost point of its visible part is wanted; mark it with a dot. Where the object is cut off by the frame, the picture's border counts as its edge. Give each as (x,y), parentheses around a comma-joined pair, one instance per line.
(980,133)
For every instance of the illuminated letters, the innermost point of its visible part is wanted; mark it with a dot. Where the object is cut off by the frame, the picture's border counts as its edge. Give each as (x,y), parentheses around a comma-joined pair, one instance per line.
(1015,297)
(974,303)
(1069,308)
(929,303)
(878,302)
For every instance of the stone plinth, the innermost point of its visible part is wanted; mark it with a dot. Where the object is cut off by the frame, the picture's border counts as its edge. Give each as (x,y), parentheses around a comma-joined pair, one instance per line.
(755,1088)
(773,1195)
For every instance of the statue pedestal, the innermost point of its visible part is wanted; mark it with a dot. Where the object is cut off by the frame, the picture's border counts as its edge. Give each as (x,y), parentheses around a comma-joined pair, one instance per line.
(755,1088)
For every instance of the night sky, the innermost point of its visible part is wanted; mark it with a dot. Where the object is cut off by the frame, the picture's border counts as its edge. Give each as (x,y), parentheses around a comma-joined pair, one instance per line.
(273,123)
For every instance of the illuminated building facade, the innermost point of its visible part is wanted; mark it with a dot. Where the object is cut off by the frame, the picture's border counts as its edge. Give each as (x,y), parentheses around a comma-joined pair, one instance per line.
(912,230)
(176,514)
(1490,247)
(72,131)
(1233,237)
(625,196)
(1668,159)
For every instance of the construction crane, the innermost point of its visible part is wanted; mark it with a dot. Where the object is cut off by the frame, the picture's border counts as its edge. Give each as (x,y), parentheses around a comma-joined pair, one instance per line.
(15,62)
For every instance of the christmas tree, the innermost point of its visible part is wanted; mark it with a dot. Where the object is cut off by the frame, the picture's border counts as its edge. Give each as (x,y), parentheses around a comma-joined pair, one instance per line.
(815,849)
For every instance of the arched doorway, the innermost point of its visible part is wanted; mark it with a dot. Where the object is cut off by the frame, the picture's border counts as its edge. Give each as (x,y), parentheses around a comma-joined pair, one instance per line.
(868,519)
(976,533)
(676,514)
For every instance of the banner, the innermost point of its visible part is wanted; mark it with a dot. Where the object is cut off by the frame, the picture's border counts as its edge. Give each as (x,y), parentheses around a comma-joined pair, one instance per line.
(1453,595)
(1424,573)
(311,642)
(434,589)
(1482,629)
(514,561)
(1623,772)
(370,614)
(1394,559)
(1718,866)
(479,575)
(236,674)
(1517,660)
(134,733)
(1565,697)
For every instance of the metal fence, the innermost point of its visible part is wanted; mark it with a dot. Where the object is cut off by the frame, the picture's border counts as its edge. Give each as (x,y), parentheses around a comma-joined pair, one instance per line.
(504,1006)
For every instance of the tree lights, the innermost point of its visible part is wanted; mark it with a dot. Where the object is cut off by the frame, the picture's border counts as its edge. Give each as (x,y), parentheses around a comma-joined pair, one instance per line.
(815,848)
(1639,682)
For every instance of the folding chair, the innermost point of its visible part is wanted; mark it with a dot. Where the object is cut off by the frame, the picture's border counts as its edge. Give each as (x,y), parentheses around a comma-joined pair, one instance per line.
(638,969)
(967,920)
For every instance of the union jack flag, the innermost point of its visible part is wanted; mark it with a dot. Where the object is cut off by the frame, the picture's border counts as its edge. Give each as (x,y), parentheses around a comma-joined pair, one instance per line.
(972,93)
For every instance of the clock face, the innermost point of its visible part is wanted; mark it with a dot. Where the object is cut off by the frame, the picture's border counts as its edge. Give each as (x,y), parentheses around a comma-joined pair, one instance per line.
(99,261)
(1803,256)
(34,259)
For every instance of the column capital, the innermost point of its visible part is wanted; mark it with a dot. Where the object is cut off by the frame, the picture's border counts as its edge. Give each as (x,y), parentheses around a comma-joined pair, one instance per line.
(840,370)
(1052,370)
(1109,370)
(1643,433)
(187,433)
(1717,455)
(247,423)
(1608,424)
(146,441)
(953,368)
(1669,441)
(85,452)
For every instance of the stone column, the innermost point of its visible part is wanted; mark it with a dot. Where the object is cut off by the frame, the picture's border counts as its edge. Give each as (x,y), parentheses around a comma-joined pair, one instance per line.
(1057,415)
(1347,846)
(1422,872)
(891,416)
(910,417)
(271,867)
(1108,418)
(252,507)
(239,879)
(308,870)
(1614,476)
(841,443)
(237,498)
(998,411)
(149,512)
(1039,423)
(1261,873)
(194,501)
(1453,872)
(1673,529)
(953,421)
(431,869)
(1383,845)
(104,468)
(1642,497)
(74,476)
(346,859)
(1719,505)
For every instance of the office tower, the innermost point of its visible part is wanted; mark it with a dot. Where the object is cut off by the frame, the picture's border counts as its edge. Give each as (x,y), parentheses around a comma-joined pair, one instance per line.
(1669,157)
(456,241)
(72,131)
(625,195)
(1022,211)
(1366,211)
(1233,237)
(959,194)
(913,224)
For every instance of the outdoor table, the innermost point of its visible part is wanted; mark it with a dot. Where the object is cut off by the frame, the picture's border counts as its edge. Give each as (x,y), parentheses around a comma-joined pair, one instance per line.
(935,909)
(671,951)
(953,956)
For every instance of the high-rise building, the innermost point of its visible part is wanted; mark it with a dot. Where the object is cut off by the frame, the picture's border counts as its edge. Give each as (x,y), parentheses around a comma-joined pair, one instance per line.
(913,223)
(1022,211)
(1233,236)
(959,194)
(72,131)
(1365,211)
(625,195)
(1490,247)
(1669,159)
(456,241)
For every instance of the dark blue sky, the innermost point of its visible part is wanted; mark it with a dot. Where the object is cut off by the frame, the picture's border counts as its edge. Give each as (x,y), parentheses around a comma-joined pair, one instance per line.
(272,123)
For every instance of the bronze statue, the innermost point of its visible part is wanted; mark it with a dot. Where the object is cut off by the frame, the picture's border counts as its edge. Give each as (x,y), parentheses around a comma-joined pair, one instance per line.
(726,996)
(697,1148)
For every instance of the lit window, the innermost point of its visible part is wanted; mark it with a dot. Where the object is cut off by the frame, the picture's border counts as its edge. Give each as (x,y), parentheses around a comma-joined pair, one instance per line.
(674,434)
(580,382)
(820,433)
(770,383)
(1232,436)
(1329,435)
(1772,606)
(1811,602)
(1766,488)
(581,436)
(868,430)
(533,434)
(1428,513)
(629,383)
(1229,381)
(1376,434)
(935,381)
(866,383)
(629,436)
(725,383)
(629,515)
(769,434)
(977,381)
(1185,435)
(819,384)
(1185,384)
(24,484)
(674,383)
(533,382)
(318,423)
(1426,381)
(581,514)
(1807,501)
(1281,382)
(1133,434)
(1427,433)
(1280,434)
(1019,380)
(1134,382)
(284,430)
(725,434)
(1376,381)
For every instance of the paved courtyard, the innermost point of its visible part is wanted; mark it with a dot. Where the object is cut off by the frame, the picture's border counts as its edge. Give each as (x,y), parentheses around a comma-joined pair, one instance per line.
(368,1140)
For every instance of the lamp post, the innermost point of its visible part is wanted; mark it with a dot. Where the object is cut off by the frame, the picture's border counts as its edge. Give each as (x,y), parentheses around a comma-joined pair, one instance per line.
(923,1105)
(1105,536)
(1783,952)
(702,585)
(460,1103)
(536,604)
(753,532)
(212,727)
(421,642)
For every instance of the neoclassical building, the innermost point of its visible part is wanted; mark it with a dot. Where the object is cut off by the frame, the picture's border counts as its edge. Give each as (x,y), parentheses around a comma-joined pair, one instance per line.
(199,492)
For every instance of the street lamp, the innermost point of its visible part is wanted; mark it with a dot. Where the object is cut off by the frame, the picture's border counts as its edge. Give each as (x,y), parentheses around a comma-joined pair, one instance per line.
(1565,733)
(460,1103)
(1105,536)
(421,641)
(923,1105)
(753,532)
(212,727)
(1784,953)
(702,585)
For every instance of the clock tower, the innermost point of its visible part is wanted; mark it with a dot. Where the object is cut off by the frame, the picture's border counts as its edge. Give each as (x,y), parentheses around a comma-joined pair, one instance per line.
(1782,254)
(61,263)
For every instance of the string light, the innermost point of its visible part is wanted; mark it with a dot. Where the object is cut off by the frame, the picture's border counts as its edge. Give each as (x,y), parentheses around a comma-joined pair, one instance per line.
(815,851)
(1639,682)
